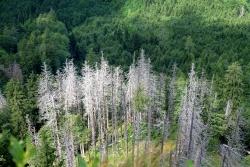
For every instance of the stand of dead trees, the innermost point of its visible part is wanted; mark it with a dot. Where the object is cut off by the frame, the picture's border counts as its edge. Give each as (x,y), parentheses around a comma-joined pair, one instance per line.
(122,110)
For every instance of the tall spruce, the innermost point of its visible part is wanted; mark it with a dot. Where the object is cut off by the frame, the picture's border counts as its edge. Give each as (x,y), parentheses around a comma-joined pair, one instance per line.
(15,97)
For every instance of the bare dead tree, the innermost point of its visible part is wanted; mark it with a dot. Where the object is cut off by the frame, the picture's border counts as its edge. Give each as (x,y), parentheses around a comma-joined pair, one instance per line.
(192,136)
(140,77)
(230,156)
(103,80)
(88,92)
(32,132)
(13,71)
(235,138)
(70,87)
(2,101)
(132,85)
(170,94)
(68,140)
(169,108)
(71,99)
(241,11)
(49,105)
(228,109)
(117,81)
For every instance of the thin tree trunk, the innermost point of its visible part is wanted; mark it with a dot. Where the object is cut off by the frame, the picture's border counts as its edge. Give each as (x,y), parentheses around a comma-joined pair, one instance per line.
(106,131)
(148,145)
(138,119)
(92,124)
(133,140)
(126,120)
(170,159)
(115,128)
(189,152)
(70,158)
(113,114)
(82,150)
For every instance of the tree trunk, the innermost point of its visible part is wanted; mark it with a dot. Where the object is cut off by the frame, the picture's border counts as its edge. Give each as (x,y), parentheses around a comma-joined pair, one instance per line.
(190,149)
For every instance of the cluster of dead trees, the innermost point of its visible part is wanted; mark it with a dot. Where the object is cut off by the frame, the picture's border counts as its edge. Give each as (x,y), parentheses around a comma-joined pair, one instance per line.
(120,110)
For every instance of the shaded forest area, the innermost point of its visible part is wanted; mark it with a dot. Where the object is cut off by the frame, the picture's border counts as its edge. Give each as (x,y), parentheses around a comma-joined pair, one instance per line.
(49,47)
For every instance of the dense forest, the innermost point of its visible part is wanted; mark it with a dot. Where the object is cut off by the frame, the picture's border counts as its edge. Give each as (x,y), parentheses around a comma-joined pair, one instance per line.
(125,83)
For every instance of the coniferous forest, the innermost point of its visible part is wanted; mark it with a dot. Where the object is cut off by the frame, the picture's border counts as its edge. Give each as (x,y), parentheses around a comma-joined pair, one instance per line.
(125,83)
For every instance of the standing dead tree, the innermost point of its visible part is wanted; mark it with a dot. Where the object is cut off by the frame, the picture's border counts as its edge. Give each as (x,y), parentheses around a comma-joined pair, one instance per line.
(230,156)
(88,88)
(103,82)
(32,132)
(2,101)
(192,136)
(70,100)
(170,94)
(49,106)
(168,107)
(140,97)
(70,88)
(117,81)
(132,85)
